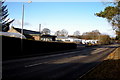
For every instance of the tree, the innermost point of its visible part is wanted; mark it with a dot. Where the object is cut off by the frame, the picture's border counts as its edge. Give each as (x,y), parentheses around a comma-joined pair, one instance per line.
(4,22)
(95,34)
(104,39)
(64,33)
(91,35)
(58,33)
(112,14)
(46,31)
(76,33)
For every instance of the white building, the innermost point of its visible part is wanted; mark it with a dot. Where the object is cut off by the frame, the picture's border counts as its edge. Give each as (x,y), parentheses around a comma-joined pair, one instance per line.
(68,39)
(89,41)
(75,40)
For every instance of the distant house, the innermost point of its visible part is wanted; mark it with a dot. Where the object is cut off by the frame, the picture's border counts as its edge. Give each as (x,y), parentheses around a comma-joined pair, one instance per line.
(68,39)
(61,38)
(75,40)
(89,41)
(10,34)
(27,33)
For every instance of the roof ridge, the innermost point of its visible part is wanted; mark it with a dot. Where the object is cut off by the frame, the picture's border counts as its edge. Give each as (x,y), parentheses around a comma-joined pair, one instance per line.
(25,29)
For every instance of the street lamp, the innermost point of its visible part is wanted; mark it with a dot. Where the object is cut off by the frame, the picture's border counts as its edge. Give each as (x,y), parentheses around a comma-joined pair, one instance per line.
(23,17)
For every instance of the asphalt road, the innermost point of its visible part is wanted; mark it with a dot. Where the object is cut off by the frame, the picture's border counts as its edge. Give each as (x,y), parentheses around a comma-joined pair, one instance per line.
(66,65)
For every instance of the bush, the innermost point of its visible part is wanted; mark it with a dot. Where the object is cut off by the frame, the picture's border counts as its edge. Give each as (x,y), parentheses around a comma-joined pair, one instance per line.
(104,39)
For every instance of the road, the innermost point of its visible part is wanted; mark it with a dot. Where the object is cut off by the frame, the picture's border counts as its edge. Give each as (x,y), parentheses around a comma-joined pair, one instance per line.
(67,65)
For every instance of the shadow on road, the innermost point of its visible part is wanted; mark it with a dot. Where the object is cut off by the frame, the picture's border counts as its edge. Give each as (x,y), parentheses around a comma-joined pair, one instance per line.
(66,71)
(66,66)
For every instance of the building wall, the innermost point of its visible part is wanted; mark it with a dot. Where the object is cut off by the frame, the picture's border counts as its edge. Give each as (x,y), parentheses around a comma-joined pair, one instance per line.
(46,39)
(36,37)
(13,30)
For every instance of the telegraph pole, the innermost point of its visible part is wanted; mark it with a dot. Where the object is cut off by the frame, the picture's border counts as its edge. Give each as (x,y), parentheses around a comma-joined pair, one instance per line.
(22,21)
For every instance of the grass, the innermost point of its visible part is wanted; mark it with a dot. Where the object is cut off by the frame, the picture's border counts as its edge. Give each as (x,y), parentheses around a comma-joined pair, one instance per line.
(108,69)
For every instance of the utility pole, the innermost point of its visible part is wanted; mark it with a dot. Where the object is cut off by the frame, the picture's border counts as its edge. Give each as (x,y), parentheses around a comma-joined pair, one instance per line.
(40,31)
(22,20)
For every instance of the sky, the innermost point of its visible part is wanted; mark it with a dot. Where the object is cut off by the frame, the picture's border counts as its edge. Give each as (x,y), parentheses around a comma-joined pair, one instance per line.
(61,0)
(71,16)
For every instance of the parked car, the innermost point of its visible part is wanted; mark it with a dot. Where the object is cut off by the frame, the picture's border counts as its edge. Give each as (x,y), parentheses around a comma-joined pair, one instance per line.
(9,34)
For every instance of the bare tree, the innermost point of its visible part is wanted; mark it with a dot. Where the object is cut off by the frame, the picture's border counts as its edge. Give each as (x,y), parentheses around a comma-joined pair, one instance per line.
(91,35)
(64,32)
(46,31)
(76,33)
(58,33)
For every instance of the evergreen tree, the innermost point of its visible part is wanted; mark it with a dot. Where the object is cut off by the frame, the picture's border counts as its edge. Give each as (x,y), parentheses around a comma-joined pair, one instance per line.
(4,22)
(112,14)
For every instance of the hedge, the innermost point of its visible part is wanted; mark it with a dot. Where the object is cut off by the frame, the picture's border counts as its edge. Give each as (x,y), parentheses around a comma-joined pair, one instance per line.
(13,48)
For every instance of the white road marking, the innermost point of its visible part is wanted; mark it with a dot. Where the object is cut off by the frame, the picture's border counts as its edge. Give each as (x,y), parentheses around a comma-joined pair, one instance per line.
(33,65)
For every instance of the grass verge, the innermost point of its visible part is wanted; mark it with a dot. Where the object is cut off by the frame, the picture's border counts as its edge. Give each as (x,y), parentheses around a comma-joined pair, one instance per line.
(108,69)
